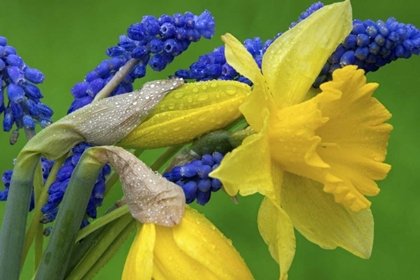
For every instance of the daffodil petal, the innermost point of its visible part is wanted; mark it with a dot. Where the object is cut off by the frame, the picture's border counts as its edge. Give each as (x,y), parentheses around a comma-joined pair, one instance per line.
(171,262)
(204,243)
(253,177)
(188,112)
(322,221)
(240,59)
(254,104)
(139,262)
(359,134)
(294,60)
(276,229)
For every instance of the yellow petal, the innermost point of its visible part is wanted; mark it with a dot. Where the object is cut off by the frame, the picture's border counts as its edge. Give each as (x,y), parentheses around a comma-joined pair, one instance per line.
(293,141)
(171,262)
(188,112)
(256,174)
(139,262)
(204,243)
(321,220)
(294,60)
(359,135)
(240,59)
(276,229)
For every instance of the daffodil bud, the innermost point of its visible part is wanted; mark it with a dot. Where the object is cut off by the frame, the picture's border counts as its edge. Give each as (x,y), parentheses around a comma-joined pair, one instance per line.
(103,122)
(187,112)
(150,197)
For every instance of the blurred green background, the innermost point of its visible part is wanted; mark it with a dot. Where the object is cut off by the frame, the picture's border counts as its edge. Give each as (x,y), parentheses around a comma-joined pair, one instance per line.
(66,39)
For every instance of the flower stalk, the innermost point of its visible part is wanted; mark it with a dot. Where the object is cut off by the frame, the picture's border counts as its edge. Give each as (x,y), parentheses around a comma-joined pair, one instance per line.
(69,218)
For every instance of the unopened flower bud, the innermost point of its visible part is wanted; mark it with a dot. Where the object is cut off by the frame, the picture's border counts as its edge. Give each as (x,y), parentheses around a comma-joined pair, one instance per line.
(150,197)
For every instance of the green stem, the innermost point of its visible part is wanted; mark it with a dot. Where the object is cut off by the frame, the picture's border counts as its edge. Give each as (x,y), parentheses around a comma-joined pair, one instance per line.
(106,219)
(110,182)
(40,201)
(12,234)
(105,240)
(39,238)
(112,249)
(116,80)
(165,157)
(81,248)
(238,136)
(69,218)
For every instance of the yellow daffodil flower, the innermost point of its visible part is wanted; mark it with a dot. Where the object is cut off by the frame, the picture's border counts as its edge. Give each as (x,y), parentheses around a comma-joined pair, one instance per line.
(314,160)
(194,249)
(187,112)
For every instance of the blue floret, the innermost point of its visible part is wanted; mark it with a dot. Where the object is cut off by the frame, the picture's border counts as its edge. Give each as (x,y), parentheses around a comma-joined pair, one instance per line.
(193,178)
(23,107)
(370,46)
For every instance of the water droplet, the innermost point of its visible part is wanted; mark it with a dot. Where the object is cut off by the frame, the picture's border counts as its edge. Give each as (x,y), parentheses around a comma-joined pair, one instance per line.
(178,94)
(195,90)
(202,97)
(231,90)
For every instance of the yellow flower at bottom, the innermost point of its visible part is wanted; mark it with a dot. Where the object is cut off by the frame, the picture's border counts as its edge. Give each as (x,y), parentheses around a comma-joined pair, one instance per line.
(195,249)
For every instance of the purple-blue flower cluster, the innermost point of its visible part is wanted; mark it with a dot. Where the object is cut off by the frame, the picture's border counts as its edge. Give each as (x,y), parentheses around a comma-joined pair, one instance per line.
(58,188)
(370,46)
(193,178)
(214,66)
(24,107)
(46,166)
(154,42)
(313,8)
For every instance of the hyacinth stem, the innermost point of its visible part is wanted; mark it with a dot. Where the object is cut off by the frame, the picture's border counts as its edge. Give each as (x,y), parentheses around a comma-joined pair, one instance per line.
(165,157)
(69,217)
(106,219)
(39,238)
(40,201)
(29,133)
(90,238)
(105,242)
(81,249)
(116,79)
(12,234)
(112,249)
(110,182)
